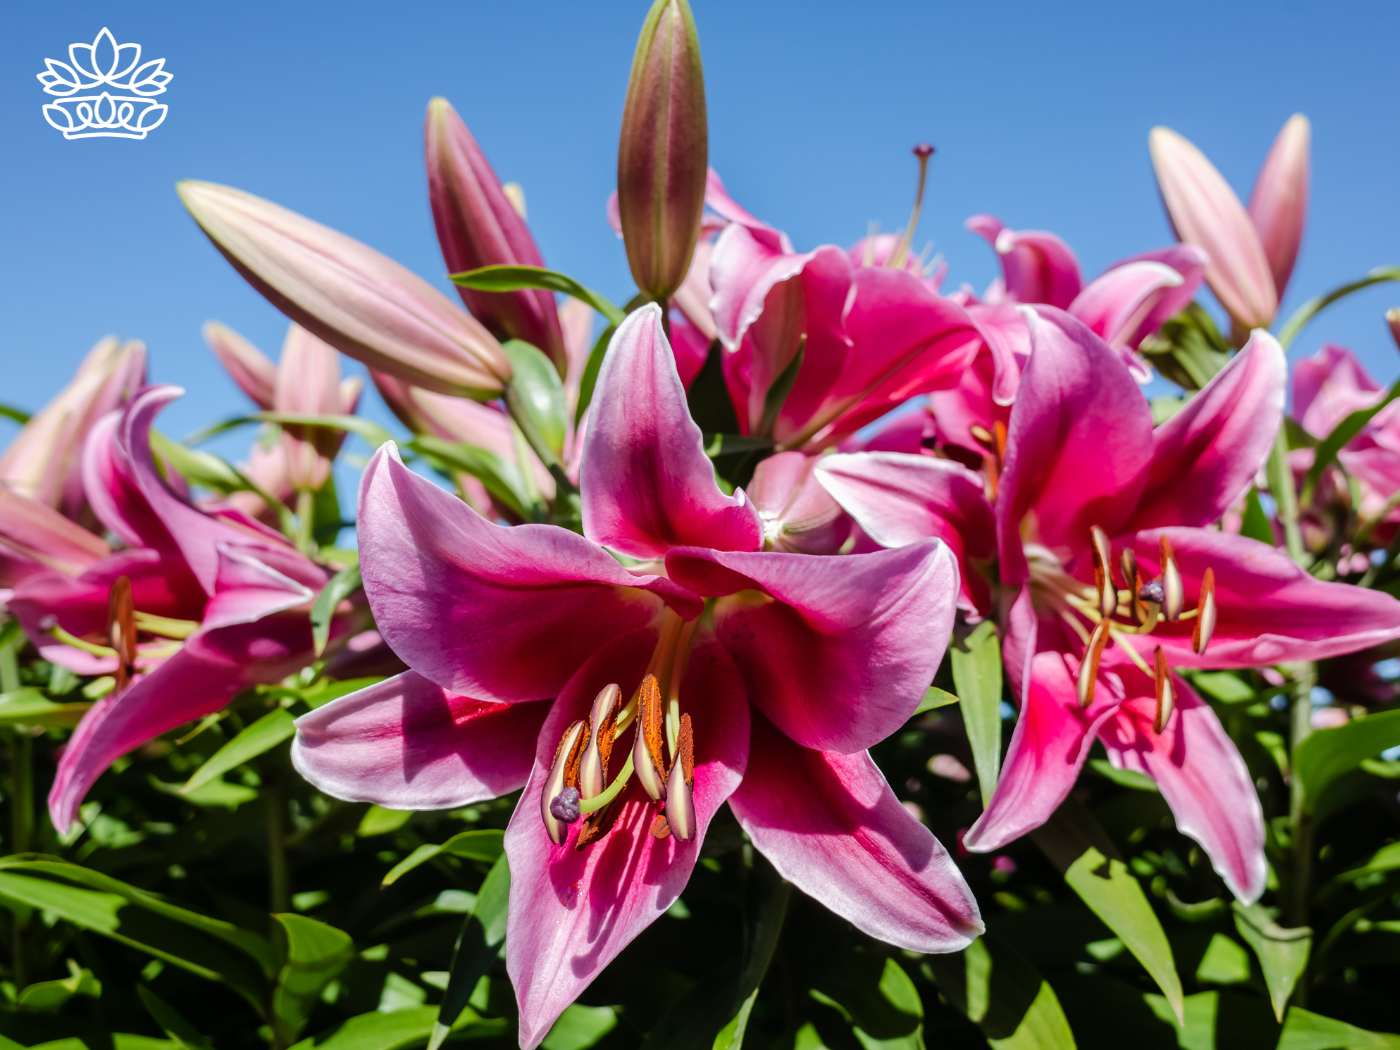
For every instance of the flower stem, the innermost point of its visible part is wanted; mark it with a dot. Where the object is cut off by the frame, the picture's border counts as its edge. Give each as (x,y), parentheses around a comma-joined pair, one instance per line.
(278,879)
(1295,908)
(306,521)
(1285,497)
(21,801)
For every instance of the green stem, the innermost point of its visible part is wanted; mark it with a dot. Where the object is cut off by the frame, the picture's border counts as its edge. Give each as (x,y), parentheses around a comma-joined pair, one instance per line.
(278,879)
(1313,307)
(306,521)
(1285,497)
(21,802)
(1302,678)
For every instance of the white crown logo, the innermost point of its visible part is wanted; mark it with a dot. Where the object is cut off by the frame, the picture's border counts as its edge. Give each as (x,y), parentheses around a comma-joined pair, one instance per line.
(104,90)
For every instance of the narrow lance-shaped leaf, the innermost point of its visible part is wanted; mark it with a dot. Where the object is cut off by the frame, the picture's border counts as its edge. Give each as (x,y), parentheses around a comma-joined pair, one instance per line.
(977,677)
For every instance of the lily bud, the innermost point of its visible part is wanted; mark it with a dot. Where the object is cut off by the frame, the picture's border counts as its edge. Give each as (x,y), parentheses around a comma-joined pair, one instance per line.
(308,384)
(1204,211)
(44,461)
(1392,318)
(478,225)
(662,154)
(1279,203)
(249,368)
(360,302)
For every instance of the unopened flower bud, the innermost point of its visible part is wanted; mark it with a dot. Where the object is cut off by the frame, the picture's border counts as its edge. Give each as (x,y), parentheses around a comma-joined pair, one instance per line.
(662,156)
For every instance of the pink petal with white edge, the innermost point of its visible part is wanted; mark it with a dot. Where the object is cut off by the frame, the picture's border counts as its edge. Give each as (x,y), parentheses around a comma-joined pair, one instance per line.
(1200,774)
(833,828)
(836,651)
(647,484)
(406,743)
(1037,267)
(487,611)
(573,910)
(1206,455)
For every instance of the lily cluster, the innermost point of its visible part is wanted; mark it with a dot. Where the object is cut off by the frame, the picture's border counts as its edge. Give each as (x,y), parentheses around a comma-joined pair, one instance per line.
(712,557)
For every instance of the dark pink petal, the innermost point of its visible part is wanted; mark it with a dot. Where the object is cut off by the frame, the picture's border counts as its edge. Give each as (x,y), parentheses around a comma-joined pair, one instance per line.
(1078,445)
(487,611)
(1048,747)
(1200,774)
(1115,304)
(572,911)
(1187,260)
(1328,387)
(1268,609)
(34,537)
(901,499)
(406,743)
(833,828)
(1206,455)
(1036,267)
(647,484)
(1278,206)
(841,654)
(798,514)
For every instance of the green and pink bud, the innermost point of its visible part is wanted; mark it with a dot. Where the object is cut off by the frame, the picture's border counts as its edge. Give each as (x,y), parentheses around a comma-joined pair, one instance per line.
(662,153)
(478,224)
(365,305)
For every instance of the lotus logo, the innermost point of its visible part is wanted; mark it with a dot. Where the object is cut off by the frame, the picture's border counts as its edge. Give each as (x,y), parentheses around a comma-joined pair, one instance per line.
(104,90)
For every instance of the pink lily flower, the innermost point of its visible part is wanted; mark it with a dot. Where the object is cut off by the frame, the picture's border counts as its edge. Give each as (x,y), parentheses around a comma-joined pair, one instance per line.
(305,382)
(43,461)
(1328,387)
(687,668)
(1111,580)
(1252,251)
(200,605)
(1123,306)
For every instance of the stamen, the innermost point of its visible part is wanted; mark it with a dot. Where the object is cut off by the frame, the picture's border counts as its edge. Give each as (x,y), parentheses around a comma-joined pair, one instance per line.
(566,759)
(1089,668)
(121,629)
(923,152)
(1103,572)
(646,744)
(680,799)
(602,725)
(1166,695)
(1173,594)
(1205,614)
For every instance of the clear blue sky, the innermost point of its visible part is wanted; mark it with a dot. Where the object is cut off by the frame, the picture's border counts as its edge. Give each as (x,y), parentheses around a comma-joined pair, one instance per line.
(1040,113)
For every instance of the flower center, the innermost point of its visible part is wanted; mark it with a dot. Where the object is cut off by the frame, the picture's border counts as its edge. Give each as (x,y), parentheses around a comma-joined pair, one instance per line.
(660,757)
(125,626)
(1104,613)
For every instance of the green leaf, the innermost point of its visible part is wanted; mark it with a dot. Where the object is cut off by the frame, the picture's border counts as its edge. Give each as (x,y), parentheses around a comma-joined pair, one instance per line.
(1227,687)
(263,735)
(976,662)
(1282,953)
(580,1027)
(171,1021)
(589,379)
(934,698)
(48,996)
(483,844)
(477,947)
(777,394)
(30,707)
(400,1030)
(339,587)
(882,1007)
(313,954)
(381,821)
(1313,307)
(205,946)
(1002,993)
(1385,859)
(18,415)
(535,399)
(1188,349)
(1309,1031)
(1341,435)
(1082,851)
(1256,524)
(519,278)
(1326,754)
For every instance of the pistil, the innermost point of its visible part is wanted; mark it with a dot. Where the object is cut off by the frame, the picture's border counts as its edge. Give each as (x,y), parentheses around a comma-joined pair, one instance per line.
(923,151)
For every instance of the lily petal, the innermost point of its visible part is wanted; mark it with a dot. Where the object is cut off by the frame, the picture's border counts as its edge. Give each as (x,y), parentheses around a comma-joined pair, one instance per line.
(836,651)
(1036,267)
(646,481)
(573,910)
(1200,774)
(487,611)
(1268,609)
(406,743)
(900,499)
(1205,456)
(1078,444)
(833,828)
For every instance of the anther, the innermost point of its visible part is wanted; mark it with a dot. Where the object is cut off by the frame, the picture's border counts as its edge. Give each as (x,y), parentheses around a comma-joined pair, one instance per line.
(647,757)
(1089,667)
(593,768)
(1166,695)
(680,798)
(1173,595)
(563,773)
(1205,613)
(1103,572)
